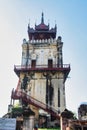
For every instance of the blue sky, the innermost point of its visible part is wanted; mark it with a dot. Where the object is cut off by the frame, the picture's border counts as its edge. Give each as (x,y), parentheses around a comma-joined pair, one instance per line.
(71,19)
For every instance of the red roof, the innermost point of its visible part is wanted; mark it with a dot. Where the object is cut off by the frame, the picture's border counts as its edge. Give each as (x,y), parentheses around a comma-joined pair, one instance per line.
(41,27)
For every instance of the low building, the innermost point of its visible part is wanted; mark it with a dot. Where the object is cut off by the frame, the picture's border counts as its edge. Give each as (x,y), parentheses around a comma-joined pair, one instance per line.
(82,111)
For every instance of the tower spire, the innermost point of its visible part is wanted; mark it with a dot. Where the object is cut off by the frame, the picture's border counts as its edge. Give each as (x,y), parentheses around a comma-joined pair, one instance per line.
(42,19)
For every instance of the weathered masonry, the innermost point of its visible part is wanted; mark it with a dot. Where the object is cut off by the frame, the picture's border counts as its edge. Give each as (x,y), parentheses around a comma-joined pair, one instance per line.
(42,73)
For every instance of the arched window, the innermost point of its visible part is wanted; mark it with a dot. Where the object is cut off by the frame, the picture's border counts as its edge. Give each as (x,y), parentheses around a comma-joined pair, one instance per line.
(50,63)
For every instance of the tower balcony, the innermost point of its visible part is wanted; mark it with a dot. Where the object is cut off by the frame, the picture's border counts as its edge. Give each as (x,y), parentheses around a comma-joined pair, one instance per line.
(65,68)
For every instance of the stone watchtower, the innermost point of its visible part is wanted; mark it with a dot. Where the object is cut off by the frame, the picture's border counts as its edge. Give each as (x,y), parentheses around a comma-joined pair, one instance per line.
(42,74)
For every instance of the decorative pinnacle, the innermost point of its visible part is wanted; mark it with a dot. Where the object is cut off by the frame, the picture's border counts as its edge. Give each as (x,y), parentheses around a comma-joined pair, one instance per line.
(42,19)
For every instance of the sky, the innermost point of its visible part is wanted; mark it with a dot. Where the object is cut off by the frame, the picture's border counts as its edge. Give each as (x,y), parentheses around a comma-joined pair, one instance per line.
(71,19)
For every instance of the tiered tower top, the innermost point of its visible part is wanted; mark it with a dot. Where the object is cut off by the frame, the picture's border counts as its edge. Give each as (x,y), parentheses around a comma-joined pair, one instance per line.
(41,31)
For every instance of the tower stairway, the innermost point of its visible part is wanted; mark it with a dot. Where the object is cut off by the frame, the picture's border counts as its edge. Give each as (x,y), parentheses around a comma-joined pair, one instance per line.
(19,94)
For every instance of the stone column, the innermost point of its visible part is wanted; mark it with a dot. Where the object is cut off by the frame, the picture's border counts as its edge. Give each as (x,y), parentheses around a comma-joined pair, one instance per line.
(28,123)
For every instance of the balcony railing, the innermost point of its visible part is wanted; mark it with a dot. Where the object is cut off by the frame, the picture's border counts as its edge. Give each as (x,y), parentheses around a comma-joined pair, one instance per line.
(65,68)
(42,67)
